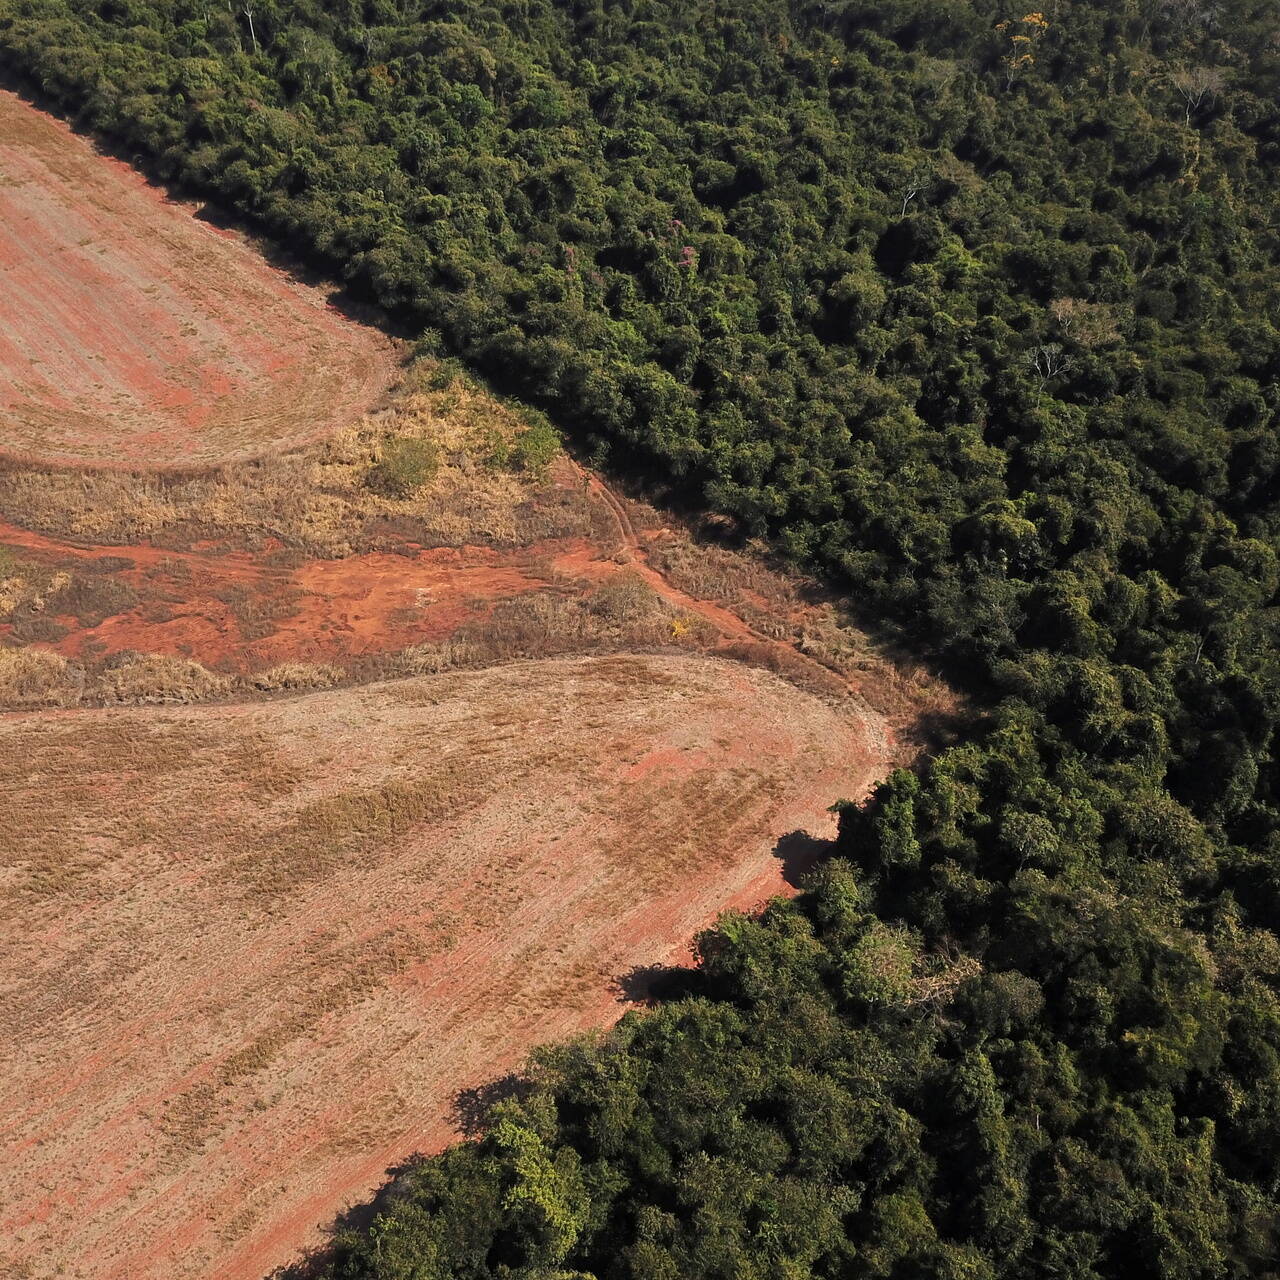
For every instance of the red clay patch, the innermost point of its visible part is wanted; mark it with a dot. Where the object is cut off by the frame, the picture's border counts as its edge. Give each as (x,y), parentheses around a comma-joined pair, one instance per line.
(133,334)
(237,612)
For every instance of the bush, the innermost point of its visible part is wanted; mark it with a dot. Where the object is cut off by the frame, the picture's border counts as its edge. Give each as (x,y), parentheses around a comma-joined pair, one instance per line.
(37,678)
(536,446)
(135,678)
(406,466)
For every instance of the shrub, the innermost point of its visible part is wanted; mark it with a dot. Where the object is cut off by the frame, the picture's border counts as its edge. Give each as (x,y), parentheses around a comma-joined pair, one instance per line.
(37,678)
(536,446)
(406,466)
(155,678)
(297,675)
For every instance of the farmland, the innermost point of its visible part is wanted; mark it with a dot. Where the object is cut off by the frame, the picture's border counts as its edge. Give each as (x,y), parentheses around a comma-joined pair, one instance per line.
(302,921)
(252,952)
(132,333)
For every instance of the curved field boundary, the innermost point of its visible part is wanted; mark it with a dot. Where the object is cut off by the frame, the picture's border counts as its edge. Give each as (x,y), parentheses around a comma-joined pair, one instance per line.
(133,334)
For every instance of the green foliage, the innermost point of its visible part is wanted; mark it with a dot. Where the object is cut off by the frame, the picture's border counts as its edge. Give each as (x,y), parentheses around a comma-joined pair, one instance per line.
(407,465)
(535,446)
(987,330)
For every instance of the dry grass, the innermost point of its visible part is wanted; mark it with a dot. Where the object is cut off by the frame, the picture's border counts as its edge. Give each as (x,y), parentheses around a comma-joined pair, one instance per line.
(731,578)
(331,502)
(31,678)
(35,678)
(324,501)
(621,614)
(154,678)
(290,677)
(792,610)
(812,649)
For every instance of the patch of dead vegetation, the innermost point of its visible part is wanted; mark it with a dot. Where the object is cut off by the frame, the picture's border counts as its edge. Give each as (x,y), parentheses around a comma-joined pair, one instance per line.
(780,605)
(622,614)
(325,501)
(253,600)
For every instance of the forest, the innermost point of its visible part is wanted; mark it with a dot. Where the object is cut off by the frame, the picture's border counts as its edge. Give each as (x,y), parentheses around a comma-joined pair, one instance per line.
(972,311)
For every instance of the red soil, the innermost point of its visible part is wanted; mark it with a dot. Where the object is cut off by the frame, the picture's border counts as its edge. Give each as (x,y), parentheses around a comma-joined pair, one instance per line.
(132,333)
(244,969)
(242,612)
(238,612)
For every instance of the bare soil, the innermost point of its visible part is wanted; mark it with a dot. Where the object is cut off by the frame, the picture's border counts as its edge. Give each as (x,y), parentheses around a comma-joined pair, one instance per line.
(261,569)
(132,333)
(249,954)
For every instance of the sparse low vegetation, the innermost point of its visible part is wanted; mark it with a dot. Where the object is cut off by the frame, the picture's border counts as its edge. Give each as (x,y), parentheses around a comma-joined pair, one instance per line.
(424,462)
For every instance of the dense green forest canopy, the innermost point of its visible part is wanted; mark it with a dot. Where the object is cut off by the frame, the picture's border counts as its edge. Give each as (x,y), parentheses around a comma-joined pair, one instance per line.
(973,309)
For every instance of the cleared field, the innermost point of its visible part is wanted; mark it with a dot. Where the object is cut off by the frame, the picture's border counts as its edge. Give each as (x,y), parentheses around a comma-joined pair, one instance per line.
(133,334)
(249,954)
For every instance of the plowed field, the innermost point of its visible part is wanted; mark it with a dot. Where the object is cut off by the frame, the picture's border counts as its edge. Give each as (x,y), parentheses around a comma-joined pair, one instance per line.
(134,334)
(249,954)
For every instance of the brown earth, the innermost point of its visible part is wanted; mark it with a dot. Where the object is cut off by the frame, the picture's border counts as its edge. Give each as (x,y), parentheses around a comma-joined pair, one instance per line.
(132,333)
(250,953)
(569,566)
(243,612)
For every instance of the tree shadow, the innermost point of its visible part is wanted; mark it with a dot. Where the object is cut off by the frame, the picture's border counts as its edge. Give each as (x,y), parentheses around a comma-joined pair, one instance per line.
(650,984)
(470,1115)
(800,854)
(643,985)
(472,1107)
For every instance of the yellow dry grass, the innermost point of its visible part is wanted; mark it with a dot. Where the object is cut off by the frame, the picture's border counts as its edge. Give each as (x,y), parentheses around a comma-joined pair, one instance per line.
(319,500)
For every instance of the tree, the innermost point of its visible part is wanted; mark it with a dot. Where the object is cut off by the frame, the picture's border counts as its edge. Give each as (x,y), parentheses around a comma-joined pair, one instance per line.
(1020,39)
(1197,86)
(1090,324)
(1048,361)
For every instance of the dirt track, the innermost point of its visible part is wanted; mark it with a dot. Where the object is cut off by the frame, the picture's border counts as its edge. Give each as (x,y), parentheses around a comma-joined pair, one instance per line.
(133,334)
(250,953)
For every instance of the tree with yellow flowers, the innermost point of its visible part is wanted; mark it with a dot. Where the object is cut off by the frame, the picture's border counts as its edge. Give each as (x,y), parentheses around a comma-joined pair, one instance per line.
(1023,36)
